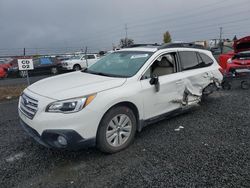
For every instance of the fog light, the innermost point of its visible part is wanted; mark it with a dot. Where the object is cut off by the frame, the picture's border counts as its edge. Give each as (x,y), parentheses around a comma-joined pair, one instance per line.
(61,140)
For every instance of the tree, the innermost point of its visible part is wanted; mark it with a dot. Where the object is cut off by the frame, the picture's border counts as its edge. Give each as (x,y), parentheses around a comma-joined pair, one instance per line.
(126,42)
(235,38)
(167,37)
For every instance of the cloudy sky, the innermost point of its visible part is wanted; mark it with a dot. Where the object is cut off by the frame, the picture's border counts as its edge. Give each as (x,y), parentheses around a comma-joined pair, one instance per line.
(66,25)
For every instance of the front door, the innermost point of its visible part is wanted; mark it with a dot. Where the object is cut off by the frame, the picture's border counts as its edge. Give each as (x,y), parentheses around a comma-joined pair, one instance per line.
(171,87)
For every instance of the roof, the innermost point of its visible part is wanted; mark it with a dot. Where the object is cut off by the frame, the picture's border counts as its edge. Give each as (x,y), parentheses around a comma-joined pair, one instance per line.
(144,49)
(148,48)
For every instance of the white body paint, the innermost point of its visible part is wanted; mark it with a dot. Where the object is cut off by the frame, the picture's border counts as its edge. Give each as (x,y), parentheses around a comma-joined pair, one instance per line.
(111,91)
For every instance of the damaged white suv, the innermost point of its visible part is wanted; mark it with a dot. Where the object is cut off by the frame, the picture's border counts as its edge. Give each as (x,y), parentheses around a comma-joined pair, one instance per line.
(121,93)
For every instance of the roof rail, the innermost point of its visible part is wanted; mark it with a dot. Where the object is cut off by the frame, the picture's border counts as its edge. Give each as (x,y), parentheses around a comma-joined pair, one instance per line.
(181,45)
(143,45)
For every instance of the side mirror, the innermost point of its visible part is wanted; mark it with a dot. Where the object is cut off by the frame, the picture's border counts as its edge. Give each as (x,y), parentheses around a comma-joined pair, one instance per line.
(155,81)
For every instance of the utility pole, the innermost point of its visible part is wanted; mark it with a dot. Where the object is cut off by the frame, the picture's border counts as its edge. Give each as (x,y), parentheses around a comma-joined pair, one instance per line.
(86,58)
(221,45)
(24,51)
(126,35)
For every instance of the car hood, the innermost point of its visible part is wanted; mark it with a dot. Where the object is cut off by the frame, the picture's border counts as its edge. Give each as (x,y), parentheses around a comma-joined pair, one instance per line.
(242,45)
(5,66)
(74,84)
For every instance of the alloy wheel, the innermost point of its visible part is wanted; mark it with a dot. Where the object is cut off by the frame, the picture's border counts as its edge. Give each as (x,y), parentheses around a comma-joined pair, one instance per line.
(118,130)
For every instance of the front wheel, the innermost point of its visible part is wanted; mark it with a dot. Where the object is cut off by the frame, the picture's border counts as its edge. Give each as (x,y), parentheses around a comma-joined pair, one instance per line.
(77,67)
(54,70)
(117,130)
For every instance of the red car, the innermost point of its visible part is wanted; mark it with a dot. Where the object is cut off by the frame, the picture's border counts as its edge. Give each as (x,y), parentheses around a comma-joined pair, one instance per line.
(236,63)
(4,65)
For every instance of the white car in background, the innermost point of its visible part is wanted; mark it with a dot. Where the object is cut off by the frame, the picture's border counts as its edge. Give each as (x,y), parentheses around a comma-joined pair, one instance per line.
(79,62)
(105,104)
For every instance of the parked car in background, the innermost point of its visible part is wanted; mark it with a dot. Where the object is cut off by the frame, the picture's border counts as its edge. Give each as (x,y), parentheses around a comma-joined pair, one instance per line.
(236,64)
(238,58)
(5,64)
(217,51)
(108,102)
(79,62)
(42,65)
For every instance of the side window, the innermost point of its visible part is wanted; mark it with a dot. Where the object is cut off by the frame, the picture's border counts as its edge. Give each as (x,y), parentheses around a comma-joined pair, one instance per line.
(90,57)
(188,60)
(163,65)
(204,60)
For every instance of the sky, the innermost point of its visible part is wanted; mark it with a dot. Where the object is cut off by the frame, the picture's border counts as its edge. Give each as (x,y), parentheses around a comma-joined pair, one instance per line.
(44,26)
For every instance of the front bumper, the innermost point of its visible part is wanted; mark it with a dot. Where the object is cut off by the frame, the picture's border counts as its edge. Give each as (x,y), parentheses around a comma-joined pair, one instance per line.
(237,73)
(67,68)
(237,76)
(48,138)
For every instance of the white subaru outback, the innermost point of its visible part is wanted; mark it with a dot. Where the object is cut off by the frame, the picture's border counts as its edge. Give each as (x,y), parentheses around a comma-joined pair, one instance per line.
(121,93)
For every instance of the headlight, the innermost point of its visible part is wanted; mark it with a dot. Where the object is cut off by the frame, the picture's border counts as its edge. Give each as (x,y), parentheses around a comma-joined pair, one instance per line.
(229,60)
(70,105)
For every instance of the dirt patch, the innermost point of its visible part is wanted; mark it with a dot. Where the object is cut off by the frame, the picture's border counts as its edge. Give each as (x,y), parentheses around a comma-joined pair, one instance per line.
(11,92)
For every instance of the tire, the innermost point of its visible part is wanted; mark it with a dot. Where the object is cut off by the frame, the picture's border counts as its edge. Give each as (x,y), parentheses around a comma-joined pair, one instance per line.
(245,85)
(77,67)
(226,85)
(117,121)
(54,70)
(22,74)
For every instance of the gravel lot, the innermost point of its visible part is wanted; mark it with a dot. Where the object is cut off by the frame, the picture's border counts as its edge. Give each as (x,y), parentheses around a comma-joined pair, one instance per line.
(211,151)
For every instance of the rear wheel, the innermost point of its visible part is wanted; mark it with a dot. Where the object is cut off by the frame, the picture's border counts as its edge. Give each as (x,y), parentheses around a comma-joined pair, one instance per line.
(117,130)
(226,85)
(77,67)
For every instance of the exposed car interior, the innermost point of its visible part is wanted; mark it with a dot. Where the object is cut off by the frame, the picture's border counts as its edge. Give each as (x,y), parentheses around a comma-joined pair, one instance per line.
(164,65)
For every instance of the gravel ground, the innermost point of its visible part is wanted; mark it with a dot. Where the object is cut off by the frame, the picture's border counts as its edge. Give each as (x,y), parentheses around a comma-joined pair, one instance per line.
(211,151)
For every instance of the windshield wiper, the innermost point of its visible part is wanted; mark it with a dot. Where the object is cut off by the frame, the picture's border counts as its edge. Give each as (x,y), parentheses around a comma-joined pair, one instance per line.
(103,74)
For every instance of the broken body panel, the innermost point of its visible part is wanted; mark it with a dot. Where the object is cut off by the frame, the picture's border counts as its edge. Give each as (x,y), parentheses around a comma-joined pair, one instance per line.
(181,89)
(236,64)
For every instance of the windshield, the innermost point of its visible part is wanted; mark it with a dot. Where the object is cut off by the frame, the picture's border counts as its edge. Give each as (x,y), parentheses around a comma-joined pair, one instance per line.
(120,64)
(76,57)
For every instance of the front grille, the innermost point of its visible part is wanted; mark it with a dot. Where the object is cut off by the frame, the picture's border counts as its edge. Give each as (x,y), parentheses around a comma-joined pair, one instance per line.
(28,106)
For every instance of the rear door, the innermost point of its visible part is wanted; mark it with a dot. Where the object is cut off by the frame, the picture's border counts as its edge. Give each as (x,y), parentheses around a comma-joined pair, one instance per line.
(197,68)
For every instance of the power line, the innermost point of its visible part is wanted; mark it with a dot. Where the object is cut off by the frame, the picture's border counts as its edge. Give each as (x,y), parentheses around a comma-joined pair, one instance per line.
(188,15)
(185,16)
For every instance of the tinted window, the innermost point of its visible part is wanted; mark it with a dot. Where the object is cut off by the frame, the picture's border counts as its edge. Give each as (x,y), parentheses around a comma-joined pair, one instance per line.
(91,57)
(205,60)
(188,60)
